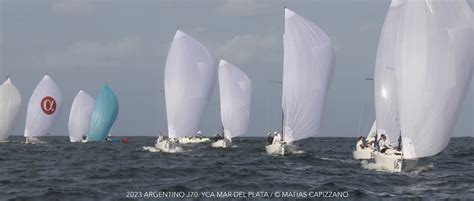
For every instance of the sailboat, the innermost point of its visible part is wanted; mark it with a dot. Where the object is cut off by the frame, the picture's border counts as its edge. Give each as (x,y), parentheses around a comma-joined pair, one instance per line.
(433,68)
(235,90)
(367,153)
(104,114)
(308,65)
(10,103)
(190,74)
(43,110)
(80,116)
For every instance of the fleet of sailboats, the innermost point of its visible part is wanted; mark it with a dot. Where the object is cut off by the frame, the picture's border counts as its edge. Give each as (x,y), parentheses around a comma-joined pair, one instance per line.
(308,65)
(422,73)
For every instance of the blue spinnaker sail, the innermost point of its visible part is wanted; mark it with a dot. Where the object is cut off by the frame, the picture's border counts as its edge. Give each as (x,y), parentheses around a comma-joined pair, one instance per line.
(104,114)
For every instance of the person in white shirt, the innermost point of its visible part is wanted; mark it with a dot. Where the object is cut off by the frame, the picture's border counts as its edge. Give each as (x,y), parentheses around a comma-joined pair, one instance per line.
(383,145)
(361,144)
(277,138)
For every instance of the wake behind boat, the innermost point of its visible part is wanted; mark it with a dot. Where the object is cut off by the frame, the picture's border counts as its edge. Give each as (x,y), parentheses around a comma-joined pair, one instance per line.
(308,65)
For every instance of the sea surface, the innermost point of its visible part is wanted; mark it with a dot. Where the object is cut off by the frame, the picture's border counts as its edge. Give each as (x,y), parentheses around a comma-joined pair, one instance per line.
(60,170)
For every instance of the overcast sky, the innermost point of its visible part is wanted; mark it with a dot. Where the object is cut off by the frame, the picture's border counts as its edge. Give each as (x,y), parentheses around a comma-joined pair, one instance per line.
(83,44)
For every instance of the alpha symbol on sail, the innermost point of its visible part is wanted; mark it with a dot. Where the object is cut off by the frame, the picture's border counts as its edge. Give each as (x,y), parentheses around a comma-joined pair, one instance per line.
(48,105)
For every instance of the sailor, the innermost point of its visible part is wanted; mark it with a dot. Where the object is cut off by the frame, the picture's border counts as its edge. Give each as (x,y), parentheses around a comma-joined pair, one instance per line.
(277,138)
(361,144)
(269,138)
(160,137)
(109,138)
(384,146)
(217,137)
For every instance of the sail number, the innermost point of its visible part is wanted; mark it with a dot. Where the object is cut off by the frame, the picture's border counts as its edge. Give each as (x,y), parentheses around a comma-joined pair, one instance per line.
(48,105)
(396,165)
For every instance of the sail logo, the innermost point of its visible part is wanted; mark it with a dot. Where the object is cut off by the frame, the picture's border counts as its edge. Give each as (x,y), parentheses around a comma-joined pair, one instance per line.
(48,105)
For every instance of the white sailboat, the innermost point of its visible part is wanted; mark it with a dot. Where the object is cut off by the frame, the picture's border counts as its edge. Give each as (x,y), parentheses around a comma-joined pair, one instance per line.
(43,110)
(308,65)
(190,75)
(433,69)
(80,116)
(367,153)
(235,90)
(10,103)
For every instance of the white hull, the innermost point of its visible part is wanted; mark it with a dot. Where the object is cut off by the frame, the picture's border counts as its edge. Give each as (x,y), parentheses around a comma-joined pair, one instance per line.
(365,154)
(193,140)
(393,163)
(281,149)
(168,147)
(222,143)
(33,140)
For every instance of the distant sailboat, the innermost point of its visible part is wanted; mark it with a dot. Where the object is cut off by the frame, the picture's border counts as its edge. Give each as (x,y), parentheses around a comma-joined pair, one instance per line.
(190,74)
(308,65)
(10,103)
(235,90)
(104,114)
(80,116)
(433,69)
(43,111)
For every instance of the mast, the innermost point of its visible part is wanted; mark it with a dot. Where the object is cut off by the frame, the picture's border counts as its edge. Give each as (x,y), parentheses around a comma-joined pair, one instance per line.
(282,112)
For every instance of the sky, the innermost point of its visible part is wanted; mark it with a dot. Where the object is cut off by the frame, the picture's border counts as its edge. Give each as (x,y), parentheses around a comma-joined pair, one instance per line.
(83,44)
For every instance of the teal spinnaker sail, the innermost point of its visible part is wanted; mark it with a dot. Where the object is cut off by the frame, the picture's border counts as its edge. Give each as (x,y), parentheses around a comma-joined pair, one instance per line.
(104,114)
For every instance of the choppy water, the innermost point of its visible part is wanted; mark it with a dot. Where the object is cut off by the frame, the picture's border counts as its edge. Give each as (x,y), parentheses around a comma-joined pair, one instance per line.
(61,170)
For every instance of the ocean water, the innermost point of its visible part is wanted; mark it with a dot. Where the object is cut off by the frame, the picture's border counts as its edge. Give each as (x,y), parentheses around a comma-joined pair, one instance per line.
(60,170)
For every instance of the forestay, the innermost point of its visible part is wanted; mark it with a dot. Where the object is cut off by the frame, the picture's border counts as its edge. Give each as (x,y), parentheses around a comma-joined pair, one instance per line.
(235,90)
(386,107)
(43,109)
(80,116)
(104,114)
(433,71)
(308,65)
(189,80)
(10,103)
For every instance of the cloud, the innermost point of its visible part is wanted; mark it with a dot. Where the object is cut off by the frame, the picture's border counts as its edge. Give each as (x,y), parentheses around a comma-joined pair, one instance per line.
(97,55)
(248,48)
(73,7)
(244,7)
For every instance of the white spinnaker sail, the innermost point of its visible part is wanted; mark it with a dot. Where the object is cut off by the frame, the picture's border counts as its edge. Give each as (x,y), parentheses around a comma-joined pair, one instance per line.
(10,103)
(190,75)
(372,131)
(308,65)
(386,107)
(43,109)
(433,71)
(80,116)
(235,90)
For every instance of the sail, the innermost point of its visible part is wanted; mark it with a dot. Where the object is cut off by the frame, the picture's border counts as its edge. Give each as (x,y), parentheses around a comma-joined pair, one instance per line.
(43,109)
(386,106)
(10,103)
(104,114)
(235,90)
(80,116)
(433,71)
(308,65)
(189,80)
(372,131)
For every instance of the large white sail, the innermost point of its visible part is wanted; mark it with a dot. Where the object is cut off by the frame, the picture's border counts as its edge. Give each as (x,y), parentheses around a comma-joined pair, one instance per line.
(386,107)
(80,116)
(190,75)
(235,90)
(43,109)
(308,65)
(10,103)
(433,71)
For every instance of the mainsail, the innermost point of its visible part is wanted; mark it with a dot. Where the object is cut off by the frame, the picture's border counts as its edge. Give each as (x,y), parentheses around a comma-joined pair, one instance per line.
(386,107)
(433,70)
(235,90)
(10,103)
(189,80)
(104,114)
(308,65)
(80,116)
(43,109)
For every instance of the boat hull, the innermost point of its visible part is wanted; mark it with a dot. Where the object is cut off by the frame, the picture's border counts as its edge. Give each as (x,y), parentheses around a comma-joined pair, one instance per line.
(33,140)
(222,143)
(365,154)
(281,149)
(394,163)
(194,140)
(168,147)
